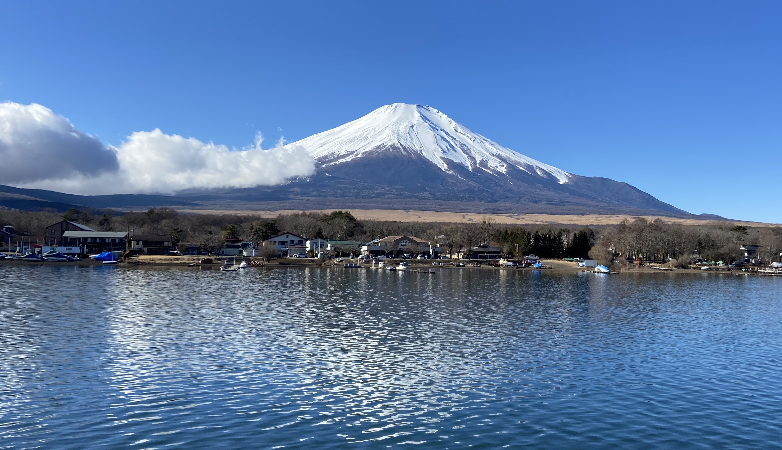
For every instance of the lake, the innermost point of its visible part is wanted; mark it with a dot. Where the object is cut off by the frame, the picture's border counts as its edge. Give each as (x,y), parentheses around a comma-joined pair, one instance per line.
(142,358)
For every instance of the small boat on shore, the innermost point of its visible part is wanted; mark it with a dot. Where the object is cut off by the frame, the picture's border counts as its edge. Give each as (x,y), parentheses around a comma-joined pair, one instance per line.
(56,256)
(233,267)
(30,257)
(601,269)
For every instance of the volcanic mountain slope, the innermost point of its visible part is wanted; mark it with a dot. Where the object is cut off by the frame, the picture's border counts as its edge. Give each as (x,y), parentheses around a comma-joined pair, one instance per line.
(403,156)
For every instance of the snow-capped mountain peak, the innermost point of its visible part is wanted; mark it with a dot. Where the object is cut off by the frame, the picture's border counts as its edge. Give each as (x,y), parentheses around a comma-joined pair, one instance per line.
(422,130)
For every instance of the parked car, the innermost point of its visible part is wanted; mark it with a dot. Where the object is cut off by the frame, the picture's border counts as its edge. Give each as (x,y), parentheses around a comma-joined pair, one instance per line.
(299,255)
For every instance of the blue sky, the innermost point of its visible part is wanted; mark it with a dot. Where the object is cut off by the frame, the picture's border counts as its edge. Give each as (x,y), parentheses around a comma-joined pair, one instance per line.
(680,99)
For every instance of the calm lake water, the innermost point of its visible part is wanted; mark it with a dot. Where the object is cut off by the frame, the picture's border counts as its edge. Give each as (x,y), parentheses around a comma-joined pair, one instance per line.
(342,358)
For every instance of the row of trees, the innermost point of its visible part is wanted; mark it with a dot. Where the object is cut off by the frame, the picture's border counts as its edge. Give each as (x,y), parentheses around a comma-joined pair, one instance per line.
(649,240)
(660,241)
(547,244)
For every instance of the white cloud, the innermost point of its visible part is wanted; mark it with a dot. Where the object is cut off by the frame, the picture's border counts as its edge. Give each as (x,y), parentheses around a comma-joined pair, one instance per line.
(36,144)
(147,162)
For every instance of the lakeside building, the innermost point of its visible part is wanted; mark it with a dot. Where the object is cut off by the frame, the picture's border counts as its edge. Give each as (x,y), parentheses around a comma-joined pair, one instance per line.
(7,235)
(150,244)
(483,251)
(317,245)
(54,232)
(345,247)
(234,246)
(399,246)
(280,243)
(91,242)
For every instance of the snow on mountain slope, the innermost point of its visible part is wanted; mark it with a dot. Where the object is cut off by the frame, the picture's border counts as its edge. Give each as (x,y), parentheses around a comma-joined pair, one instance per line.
(422,130)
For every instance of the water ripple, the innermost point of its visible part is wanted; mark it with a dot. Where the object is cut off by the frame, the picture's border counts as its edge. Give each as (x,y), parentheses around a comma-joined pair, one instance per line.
(294,358)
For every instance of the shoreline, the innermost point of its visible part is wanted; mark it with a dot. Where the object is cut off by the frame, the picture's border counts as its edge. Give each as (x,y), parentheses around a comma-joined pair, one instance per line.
(549,265)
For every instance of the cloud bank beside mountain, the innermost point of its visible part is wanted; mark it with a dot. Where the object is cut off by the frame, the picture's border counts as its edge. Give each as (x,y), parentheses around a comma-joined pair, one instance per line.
(40,149)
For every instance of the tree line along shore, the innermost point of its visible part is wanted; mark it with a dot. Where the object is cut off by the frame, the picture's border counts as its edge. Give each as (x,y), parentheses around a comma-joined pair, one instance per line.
(640,240)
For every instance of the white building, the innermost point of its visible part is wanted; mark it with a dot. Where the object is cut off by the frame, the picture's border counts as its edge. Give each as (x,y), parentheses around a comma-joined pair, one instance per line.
(281,242)
(317,245)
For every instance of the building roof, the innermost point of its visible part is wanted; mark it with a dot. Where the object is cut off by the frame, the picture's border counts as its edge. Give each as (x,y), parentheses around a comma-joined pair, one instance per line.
(283,234)
(95,234)
(486,248)
(83,227)
(77,225)
(394,238)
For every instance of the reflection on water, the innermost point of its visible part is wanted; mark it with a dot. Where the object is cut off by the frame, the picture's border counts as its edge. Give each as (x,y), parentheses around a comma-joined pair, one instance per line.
(329,357)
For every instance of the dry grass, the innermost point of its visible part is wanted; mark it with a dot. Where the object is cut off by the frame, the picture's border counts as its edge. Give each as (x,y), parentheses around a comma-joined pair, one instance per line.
(452,217)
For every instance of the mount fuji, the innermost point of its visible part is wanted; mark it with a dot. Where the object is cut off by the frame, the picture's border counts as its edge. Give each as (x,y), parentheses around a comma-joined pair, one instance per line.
(404,156)
(399,156)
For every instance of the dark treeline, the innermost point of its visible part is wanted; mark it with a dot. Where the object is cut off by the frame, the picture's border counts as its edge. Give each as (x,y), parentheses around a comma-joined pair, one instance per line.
(659,241)
(656,240)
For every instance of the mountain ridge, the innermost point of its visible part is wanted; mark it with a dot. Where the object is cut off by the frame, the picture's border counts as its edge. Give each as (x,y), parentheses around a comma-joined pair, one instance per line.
(402,156)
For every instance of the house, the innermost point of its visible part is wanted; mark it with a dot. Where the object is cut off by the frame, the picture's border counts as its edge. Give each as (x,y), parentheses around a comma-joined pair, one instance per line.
(750,253)
(345,247)
(234,246)
(14,241)
(372,249)
(54,233)
(151,244)
(6,234)
(483,251)
(400,245)
(317,245)
(281,242)
(92,242)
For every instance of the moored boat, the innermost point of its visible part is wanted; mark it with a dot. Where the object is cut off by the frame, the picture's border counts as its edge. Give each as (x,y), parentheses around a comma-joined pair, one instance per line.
(56,256)
(602,269)
(30,257)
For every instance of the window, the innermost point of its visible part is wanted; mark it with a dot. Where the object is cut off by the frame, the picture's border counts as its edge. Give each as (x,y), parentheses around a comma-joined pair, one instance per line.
(52,232)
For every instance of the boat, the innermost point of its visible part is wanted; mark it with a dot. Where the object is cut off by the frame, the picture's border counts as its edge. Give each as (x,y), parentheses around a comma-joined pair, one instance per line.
(233,267)
(56,256)
(105,256)
(601,269)
(30,257)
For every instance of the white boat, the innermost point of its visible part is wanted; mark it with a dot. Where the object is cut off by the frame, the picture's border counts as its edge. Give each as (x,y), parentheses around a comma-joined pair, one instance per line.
(29,257)
(232,266)
(602,269)
(56,256)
